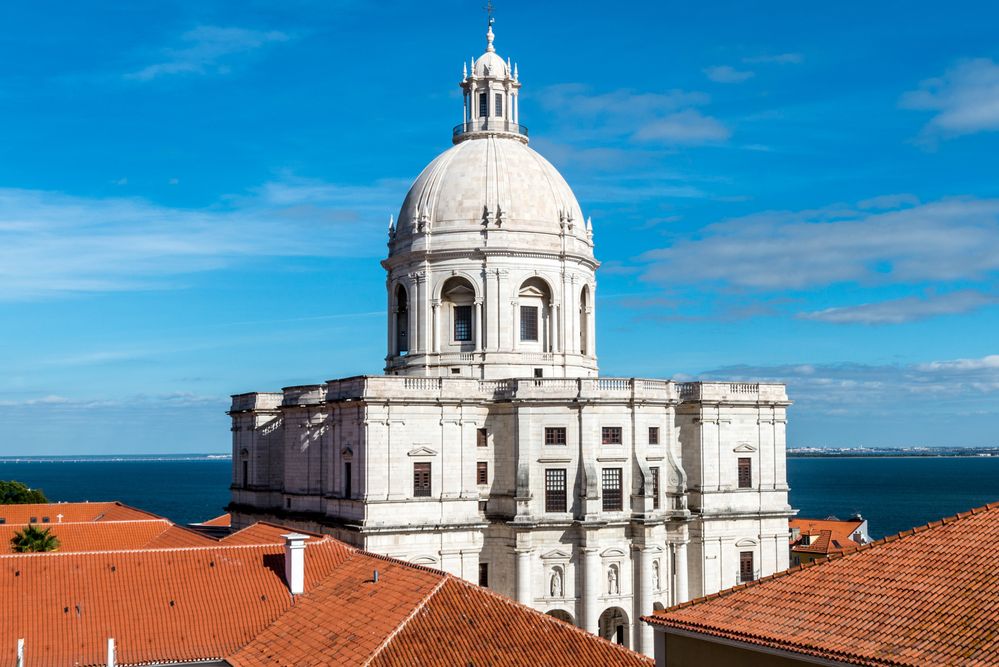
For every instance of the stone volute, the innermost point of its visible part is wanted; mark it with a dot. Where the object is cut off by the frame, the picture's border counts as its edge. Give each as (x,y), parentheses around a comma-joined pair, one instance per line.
(490,264)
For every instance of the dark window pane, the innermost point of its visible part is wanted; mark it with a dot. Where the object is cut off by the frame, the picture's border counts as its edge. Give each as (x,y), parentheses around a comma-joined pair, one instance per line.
(482,438)
(483,105)
(347,481)
(483,574)
(499,104)
(481,472)
(653,435)
(555,490)
(528,323)
(554,435)
(610,435)
(746,566)
(745,473)
(463,323)
(611,482)
(421,479)
(654,471)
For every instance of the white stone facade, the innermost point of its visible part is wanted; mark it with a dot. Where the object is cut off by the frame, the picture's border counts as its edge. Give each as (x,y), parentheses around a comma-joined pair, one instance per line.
(490,448)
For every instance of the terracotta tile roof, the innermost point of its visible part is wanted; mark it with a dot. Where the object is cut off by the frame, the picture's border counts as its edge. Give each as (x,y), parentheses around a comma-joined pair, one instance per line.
(223,521)
(109,535)
(419,616)
(928,596)
(264,533)
(72,513)
(828,536)
(159,605)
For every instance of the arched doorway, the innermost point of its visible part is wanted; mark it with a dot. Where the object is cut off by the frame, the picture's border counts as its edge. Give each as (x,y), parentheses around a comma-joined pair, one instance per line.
(562,616)
(613,625)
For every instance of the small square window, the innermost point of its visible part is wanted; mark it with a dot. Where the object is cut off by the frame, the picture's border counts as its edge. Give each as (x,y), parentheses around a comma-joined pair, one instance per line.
(653,435)
(455,371)
(610,435)
(33,519)
(539,372)
(2,521)
(482,472)
(45,519)
(555,435)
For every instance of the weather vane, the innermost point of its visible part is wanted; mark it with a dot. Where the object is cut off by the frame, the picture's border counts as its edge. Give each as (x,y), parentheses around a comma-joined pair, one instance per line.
(490,8)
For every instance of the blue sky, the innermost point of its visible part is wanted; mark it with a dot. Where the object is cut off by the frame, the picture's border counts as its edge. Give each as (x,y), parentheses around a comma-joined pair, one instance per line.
(193,198)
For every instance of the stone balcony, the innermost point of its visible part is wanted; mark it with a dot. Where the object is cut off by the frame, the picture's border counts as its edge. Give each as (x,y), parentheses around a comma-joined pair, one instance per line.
(513,389)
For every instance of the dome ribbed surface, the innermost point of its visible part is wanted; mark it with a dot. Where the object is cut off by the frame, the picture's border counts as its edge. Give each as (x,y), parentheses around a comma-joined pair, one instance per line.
(481,179)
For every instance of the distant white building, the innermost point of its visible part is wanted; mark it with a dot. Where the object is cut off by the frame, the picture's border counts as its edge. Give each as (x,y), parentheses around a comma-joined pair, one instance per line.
(491,448)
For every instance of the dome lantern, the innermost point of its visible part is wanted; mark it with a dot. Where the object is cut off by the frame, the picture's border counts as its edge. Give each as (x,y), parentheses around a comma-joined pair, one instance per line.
(490,97)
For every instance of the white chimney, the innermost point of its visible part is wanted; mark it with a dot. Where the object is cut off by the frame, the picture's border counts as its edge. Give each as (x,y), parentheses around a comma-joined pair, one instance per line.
(20,653)
(294,562)
(111,657)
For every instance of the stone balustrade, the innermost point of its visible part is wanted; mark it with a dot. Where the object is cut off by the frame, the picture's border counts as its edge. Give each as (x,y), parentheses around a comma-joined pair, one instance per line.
(415,387)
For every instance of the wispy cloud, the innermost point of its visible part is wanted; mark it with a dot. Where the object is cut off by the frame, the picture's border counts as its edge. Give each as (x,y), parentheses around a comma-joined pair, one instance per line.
(899,311)
(943,241)
(207,50)
(727,74)
(667,118)
(53,243)
(965,99)
(776,59)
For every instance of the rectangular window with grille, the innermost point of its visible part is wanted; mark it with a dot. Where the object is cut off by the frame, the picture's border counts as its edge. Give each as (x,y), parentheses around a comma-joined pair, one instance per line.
(529,323)
(555,491)
(654,472)
(481,472)
(554,435)
(746,566)
(483,105)
(499,105)
(745,473)
(484,574)
(421,480)
(610,435)
(462,323)
(482,438)
(611,487)
(653,435)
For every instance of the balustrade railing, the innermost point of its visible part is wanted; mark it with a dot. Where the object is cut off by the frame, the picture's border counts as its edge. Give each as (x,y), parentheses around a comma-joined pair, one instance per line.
(489,125)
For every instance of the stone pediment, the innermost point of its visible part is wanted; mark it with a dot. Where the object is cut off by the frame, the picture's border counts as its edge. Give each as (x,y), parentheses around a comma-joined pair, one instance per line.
(745,447)
(422,450)
(746,543)
(460,290)
(613,553)
(531,290)
(557,554)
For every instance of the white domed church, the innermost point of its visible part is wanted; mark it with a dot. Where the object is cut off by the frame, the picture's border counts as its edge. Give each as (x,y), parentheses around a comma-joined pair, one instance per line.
(490,447)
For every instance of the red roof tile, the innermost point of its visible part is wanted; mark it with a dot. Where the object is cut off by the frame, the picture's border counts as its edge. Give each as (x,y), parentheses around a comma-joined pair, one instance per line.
(929,596)
(103,535)
(264,533)
(223,521)
(72,513)
(828,536)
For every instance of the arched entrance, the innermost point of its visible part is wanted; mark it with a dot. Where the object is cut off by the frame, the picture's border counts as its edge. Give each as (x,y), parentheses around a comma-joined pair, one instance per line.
(613,625)
(562,616)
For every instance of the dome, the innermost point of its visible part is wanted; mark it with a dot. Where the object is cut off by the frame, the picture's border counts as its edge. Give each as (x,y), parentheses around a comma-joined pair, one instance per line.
(493,182)
(490,64)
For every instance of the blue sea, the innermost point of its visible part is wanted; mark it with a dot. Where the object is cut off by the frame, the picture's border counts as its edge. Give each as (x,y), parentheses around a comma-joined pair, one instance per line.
(893,493)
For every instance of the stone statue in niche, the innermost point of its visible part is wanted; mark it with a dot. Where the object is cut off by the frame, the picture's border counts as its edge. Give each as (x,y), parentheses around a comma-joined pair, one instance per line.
(556,584)
(612,587)
(656,583)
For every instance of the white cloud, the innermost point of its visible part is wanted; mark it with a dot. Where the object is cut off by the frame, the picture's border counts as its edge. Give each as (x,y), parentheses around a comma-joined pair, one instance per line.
(777,59)
(965,99)
(53,243)
(727,74)
(684,127)
(943,241)
(207,50)
(899,311)
(670,117)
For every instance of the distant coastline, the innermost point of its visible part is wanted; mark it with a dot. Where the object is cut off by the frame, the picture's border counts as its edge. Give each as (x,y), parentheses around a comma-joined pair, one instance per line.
(892,452)
(111,458)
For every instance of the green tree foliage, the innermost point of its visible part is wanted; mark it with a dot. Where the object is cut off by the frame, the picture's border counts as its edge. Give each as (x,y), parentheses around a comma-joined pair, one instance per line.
(33,540)
(16,493)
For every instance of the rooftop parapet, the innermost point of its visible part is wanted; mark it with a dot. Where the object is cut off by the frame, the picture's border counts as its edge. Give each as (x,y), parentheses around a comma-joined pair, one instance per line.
(256,401)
